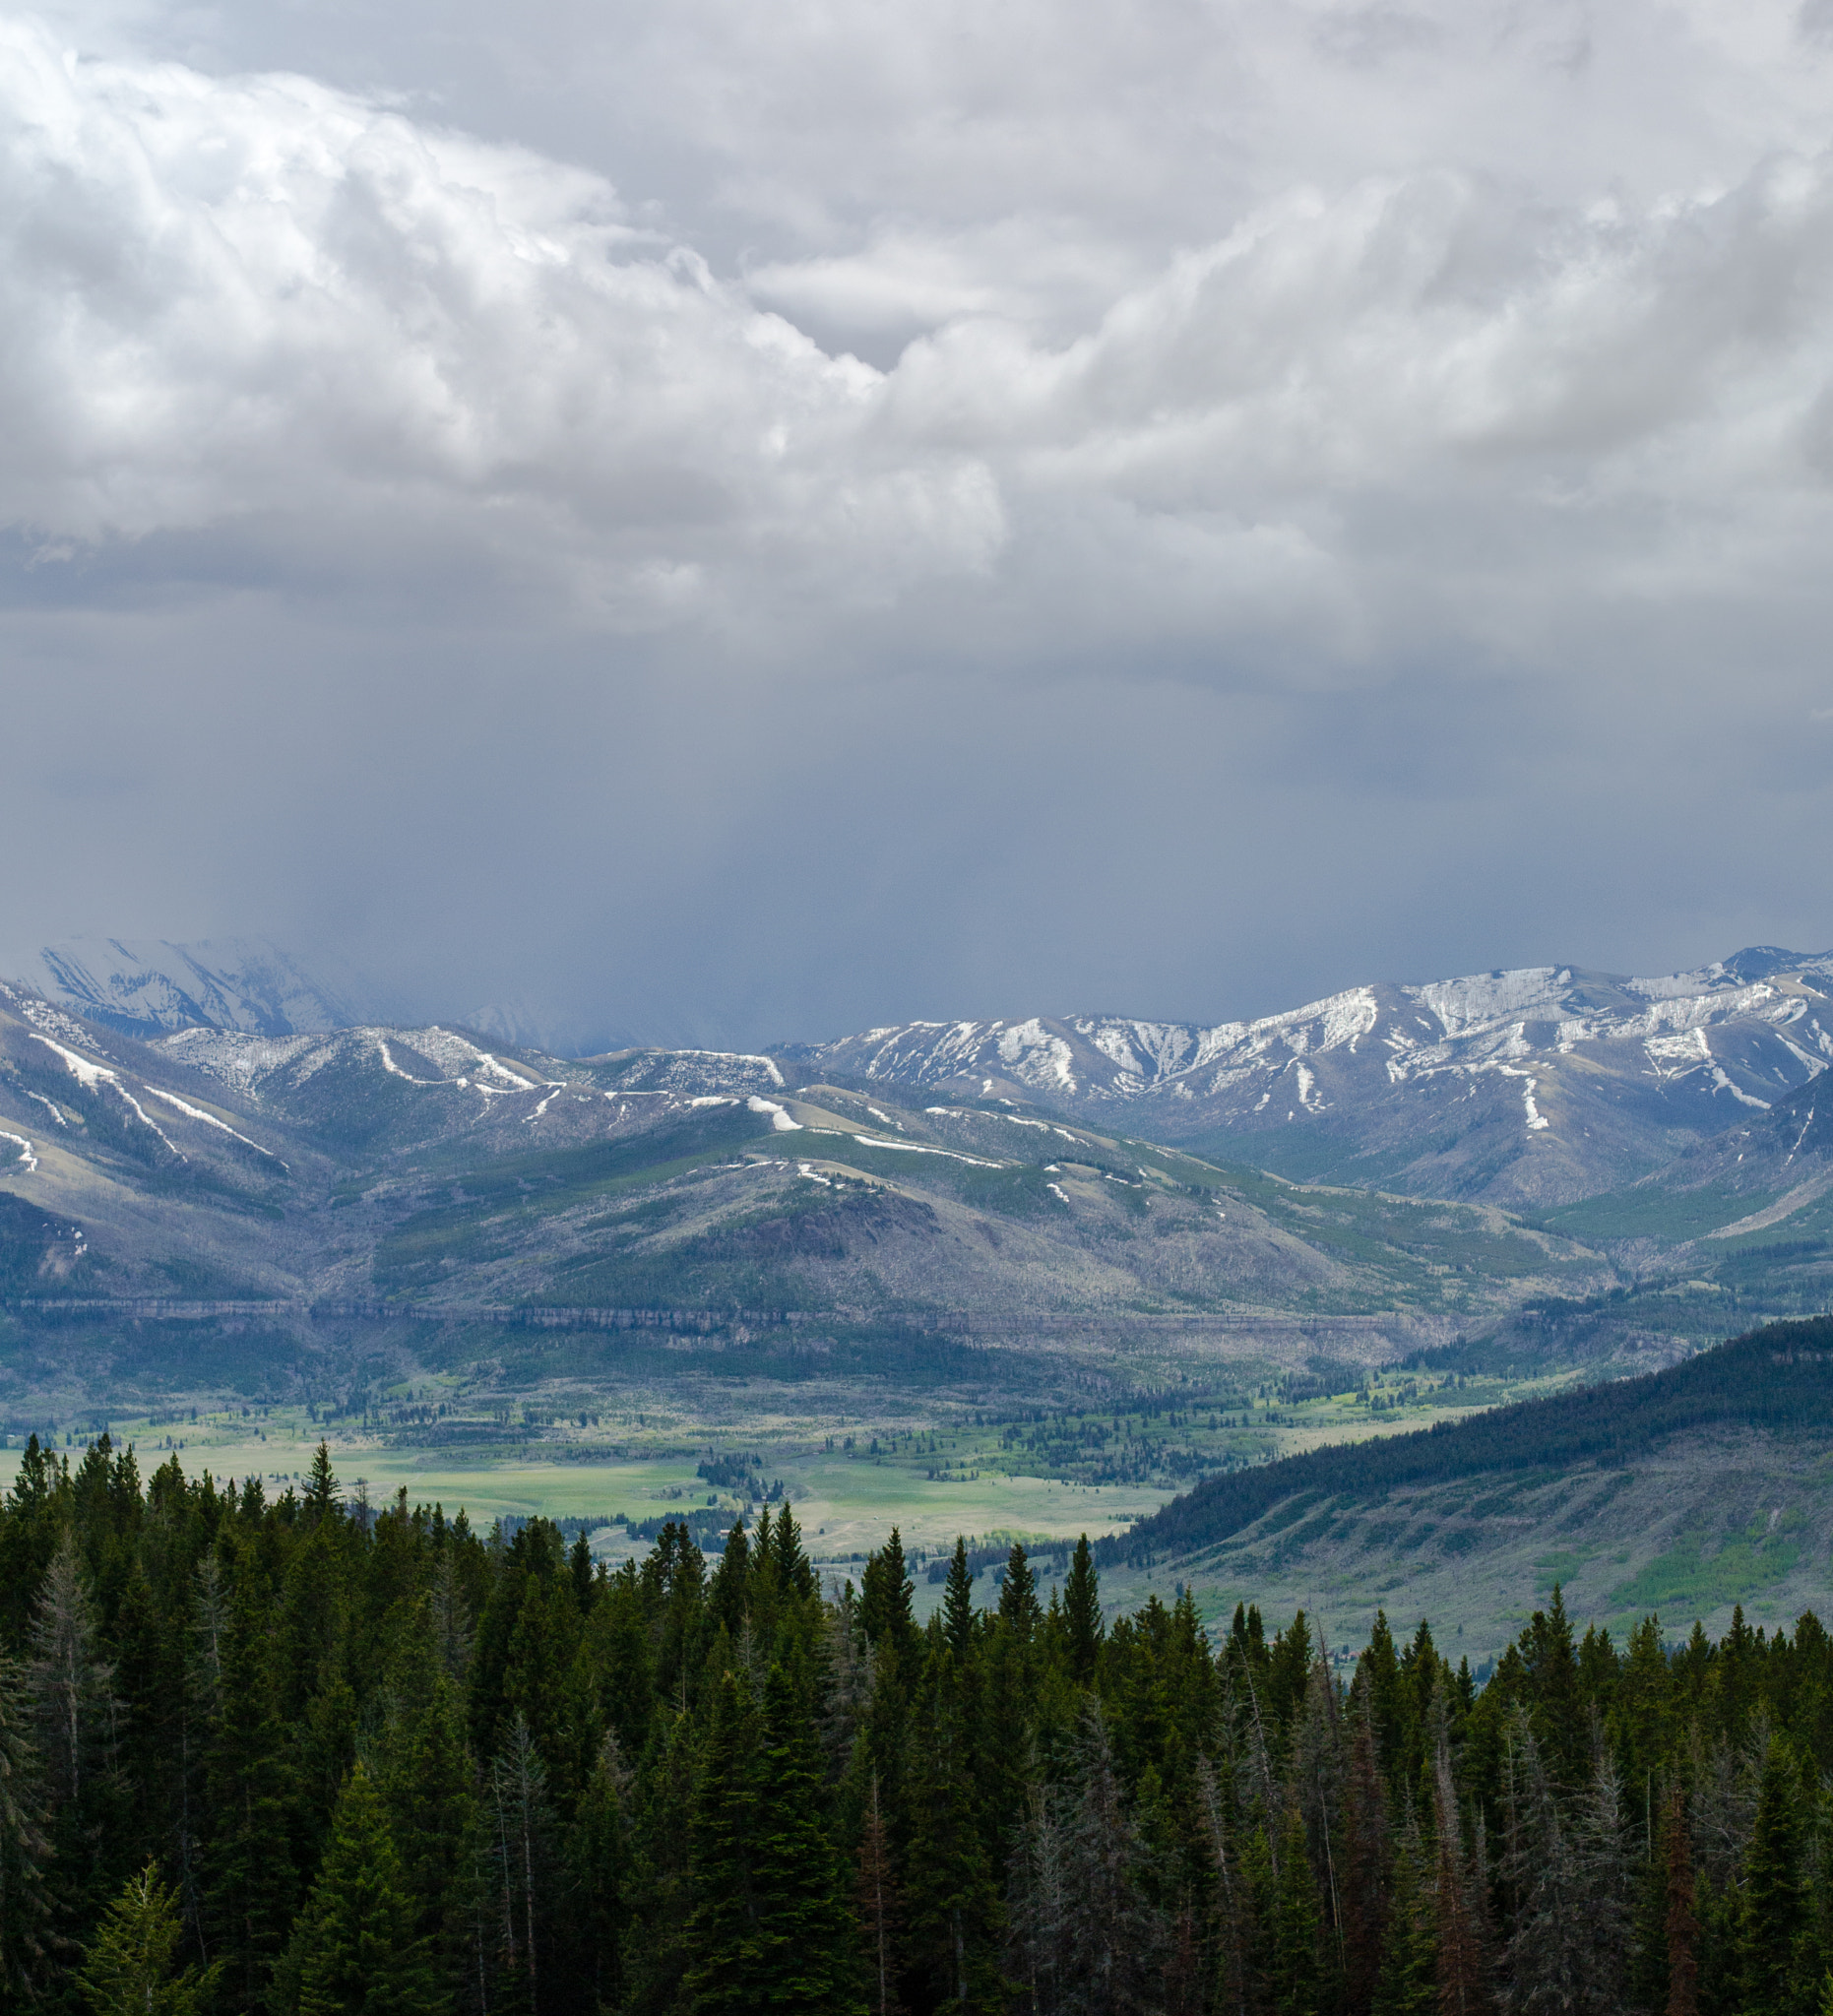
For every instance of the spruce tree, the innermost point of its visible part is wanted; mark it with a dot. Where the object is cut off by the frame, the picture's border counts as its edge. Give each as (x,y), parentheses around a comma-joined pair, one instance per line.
(875,1896)
(795,1575)
(600,1864)
(1681,1925)
(24,1909)
(72,1688)
(355,1951)
(725,1976)
(958,1602)
(1774,1914)
(1019,1609)
(1408,1981)
(1117,1941)
(887,1599)
(801,1927)
(321,1491)
(522,1828)
(247,1855)
(1296,1982)
(130,1967)
(726,1592)
(425,1781)
(952,1904)
(1364,1900)
(1082,1617)
(1458,1899)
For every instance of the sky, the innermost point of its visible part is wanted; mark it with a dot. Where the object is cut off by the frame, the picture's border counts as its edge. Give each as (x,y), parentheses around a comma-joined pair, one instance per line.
(723,524)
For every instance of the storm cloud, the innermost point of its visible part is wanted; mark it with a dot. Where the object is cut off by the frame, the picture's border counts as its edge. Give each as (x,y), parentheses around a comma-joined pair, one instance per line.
(720,524)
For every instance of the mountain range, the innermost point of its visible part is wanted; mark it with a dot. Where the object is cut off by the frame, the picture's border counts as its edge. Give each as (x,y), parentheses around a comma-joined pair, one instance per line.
(346,1183)
(1529,1087)
(1525,1087)
(1555,1162)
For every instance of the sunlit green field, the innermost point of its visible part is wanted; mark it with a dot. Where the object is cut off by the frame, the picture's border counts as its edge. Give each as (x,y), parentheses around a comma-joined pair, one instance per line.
(1038,1480)
(846,1505)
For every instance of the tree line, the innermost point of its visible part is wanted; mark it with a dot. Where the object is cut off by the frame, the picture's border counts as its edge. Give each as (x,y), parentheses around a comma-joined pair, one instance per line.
(296,1758)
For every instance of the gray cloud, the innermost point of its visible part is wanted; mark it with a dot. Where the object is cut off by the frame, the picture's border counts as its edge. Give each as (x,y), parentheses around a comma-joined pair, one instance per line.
(739,526)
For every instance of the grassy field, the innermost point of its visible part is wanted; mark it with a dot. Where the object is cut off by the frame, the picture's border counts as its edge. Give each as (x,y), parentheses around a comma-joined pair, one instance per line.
(1685,1535)
(1044,1478)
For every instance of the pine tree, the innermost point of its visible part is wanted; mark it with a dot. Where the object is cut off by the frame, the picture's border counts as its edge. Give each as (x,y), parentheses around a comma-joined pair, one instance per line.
(1082,1617)
(1774,1909)
(24,1909)
(801,1927)
(725,1978)
(129,1968)
(958,1602)
(355,1951)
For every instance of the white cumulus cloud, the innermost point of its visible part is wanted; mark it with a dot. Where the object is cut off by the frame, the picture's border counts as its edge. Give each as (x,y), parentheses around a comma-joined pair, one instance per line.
(1168,506)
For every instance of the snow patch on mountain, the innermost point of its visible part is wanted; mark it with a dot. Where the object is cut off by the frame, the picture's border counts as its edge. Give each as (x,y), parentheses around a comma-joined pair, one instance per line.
(91,1075)
(190,1111)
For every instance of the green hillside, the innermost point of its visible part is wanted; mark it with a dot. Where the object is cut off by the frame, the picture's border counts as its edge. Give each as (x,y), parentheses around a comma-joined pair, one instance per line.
(1778,1380)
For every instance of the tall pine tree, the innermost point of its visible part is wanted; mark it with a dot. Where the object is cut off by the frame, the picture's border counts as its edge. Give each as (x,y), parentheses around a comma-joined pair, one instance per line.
(356,1950)
(802,1935)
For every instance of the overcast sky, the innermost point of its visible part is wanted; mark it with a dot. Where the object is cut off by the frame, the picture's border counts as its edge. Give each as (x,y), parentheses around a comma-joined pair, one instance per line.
(731,523)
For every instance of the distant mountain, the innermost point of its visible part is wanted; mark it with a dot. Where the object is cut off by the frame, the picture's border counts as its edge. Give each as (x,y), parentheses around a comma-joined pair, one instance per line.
(1524,1088)
(1532,1089)
(147,986)
(442,1174)
(491,1197)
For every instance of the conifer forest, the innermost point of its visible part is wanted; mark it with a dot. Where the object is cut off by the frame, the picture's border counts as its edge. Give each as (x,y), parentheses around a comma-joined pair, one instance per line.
(299,1756)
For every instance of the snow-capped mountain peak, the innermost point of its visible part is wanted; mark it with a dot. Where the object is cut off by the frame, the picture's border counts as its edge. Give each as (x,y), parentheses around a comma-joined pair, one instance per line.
(1579,1068)
(147,987)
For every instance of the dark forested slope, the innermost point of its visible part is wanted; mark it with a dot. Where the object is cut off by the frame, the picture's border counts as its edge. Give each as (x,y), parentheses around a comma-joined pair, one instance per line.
(1777,1379)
